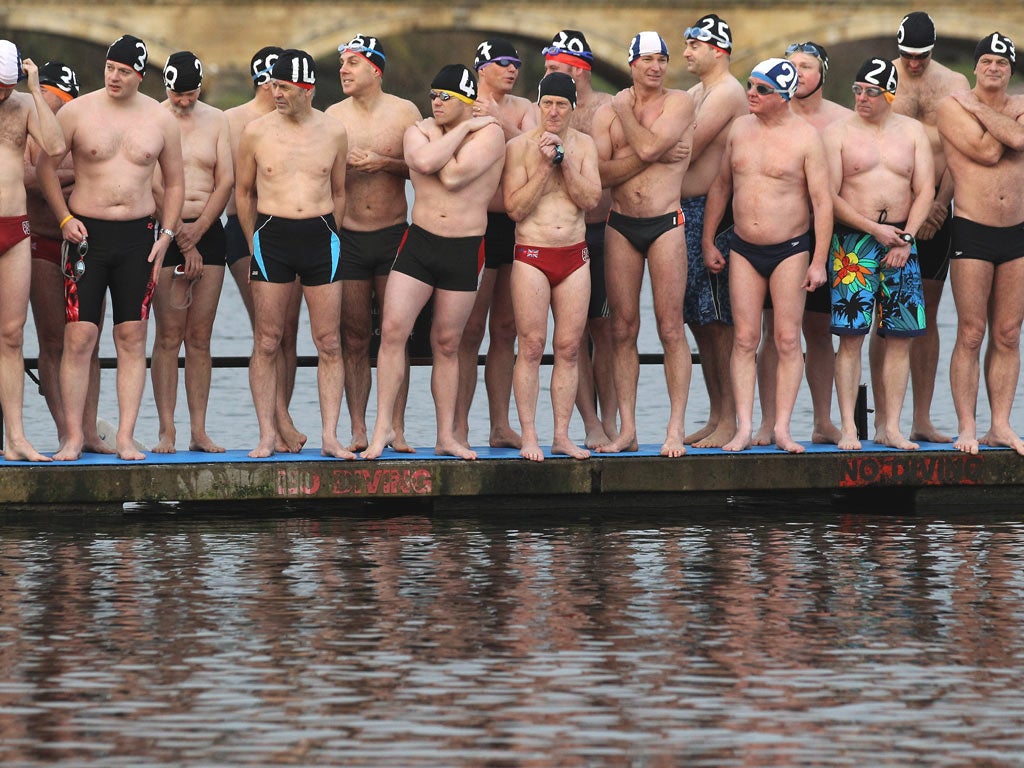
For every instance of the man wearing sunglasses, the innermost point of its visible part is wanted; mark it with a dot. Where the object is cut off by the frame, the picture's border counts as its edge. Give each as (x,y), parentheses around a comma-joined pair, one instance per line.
(375,219)
(881,174)
(982,133)
(774,172)
(809,102)
(117,138)
(643,138)
(23,115)
(719,99)
(455,162)
(924,82)
(497,65)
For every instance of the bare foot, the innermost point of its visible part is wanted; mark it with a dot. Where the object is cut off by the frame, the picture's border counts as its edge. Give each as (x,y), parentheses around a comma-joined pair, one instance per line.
(68,452)
(531,451)
(203,444)
(22,450)
(596,438)
(700,434)
(378,444)
(741,441)
(290,441)
(929,434)
(716,439)
(359,441)
(966,442)
(765,436)
(264,450)
(789,445)
(503,437)
(880,435)
(830,435)
(621,444)
(673,448)
(398,443)
(455,448)
(563,446)
(849,442)
(897,440)
(126,450)
(166,443)
(1005,438)
(332,447)
(95,444)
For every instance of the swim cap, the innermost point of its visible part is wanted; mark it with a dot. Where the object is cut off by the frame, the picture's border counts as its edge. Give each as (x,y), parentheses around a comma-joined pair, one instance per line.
(880,72)
(131,52)
(494,49)
(570,47)
(711,29)
(58,75)
(557,84)
(997,45)
(262,62)
(370,48)
(916,33)
(183,72)
(780,74)
(295,67)
(646,43)
(10,64)
(457,80)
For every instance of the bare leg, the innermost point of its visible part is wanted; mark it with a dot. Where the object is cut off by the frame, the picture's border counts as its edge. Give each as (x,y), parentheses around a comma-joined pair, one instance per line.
(198,359)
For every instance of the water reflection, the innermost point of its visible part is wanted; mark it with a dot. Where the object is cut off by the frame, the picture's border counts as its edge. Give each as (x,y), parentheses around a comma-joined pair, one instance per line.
(728,640)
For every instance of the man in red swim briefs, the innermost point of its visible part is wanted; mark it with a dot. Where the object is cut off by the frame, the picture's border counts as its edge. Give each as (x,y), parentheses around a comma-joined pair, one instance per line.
(551,180)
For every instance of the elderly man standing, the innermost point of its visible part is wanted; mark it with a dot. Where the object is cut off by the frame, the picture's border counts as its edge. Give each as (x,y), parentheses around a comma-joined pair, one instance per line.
(551,180)
(117,138)
(185,305)
(982,133)
(21,115)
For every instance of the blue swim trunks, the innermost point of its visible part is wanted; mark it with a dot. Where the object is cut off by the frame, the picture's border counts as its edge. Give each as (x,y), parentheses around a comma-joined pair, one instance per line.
(707,293)
(858,280)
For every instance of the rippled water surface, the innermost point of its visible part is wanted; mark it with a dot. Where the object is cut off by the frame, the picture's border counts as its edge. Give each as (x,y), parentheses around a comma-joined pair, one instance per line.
(698,637)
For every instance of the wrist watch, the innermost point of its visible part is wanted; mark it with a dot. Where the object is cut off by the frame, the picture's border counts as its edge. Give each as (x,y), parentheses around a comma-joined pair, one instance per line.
(907,238)
(168,232)
(559,155)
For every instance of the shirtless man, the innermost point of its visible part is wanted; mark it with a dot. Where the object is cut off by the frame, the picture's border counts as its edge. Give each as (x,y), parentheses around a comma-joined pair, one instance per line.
(117,138)
(60,85)
(185,305)
(775,197)
(881,175)
(719,99)
(22,115)
(811,62)
(290,196)
(455,162)
(497,64)
(982,134)
(375,218)
(643,138)
(569,53)
(550,180)
(289,438)
(924,82)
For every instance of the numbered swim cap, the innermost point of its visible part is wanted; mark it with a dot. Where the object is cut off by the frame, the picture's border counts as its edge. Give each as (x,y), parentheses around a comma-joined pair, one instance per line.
(369,47)
(497,51)
(60,77)
(131,52)
(183,72)
(295,67)
(997,45)
(711,29)
(458,80)
(570,47)
(644,44)
(916,33)
(262,62)
(878,72)
(780,74)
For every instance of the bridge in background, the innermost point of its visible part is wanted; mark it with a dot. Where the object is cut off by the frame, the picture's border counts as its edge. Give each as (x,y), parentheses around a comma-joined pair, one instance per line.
(225,33)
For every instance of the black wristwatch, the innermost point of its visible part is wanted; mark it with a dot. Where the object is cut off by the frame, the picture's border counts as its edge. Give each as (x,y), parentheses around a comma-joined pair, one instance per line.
(559,155)
(907,238)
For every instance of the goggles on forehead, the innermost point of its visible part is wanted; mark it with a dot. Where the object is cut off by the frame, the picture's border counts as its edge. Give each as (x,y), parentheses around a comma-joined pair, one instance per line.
(868,90)
(503,61)
(761,88)
(698,33)
(554,50)
(810,48)
(363,50)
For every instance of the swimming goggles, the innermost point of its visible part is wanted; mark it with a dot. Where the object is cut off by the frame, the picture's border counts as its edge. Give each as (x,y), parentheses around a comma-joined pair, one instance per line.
(764,90)
(73,270)
(869,90)
(810,48)
(442,95)
(362,49)
(503,61)
(555,50)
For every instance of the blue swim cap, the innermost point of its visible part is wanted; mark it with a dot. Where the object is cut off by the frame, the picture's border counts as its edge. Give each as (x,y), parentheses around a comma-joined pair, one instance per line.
(780,74)
(646,43)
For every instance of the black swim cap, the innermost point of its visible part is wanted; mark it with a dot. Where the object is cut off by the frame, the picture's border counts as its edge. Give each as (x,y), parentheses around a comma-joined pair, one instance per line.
(295,67)
(262,62)
(916,33)
(880,72)
(557,84)
(367,46)
(495,48)
(457,79)
(997,45)
(183,72)
(570,46)
(59,75)
(130,51)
